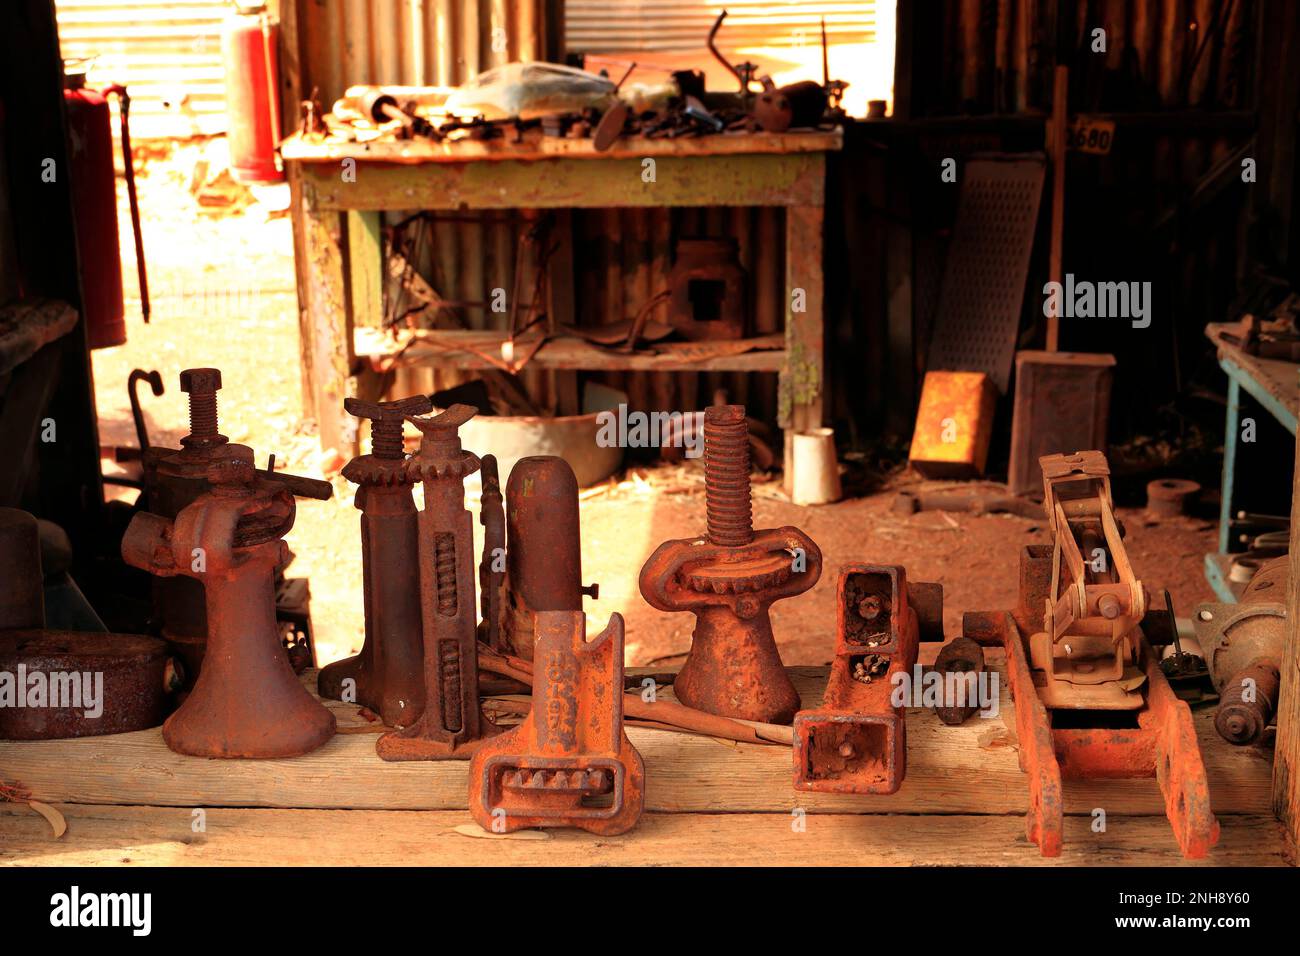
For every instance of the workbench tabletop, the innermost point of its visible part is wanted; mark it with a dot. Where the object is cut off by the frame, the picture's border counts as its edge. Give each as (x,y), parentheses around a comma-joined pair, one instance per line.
(535,147)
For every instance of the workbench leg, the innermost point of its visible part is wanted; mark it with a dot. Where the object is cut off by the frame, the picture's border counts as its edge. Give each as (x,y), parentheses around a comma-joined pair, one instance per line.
(328,322)
(1230,435)
(801,385)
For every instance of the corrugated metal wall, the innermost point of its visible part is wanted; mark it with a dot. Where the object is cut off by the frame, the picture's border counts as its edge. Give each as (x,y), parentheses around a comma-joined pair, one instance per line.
(418,42)
(677,25)
(1177,76)
(167,53)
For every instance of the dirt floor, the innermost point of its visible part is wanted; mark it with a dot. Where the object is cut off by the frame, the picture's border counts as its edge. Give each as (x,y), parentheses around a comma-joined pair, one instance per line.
(222,282)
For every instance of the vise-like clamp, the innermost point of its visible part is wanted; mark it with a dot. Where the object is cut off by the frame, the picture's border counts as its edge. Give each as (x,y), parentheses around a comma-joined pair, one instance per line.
(856,741)
(247,701)
(728,580)
(570,762)
(452,724)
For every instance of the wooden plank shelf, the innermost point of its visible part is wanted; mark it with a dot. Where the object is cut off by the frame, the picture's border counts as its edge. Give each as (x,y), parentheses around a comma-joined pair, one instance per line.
(466,349)
(707,801)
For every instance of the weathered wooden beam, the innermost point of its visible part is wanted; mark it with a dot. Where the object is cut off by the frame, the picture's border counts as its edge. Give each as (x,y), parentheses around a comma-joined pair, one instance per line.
(802,386)
(166,836)
(329,339)
(791,179)
(1286,759)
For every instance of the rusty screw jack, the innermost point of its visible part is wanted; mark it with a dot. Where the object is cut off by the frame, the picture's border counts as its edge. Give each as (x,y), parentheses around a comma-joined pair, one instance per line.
(452,724)
(728,581)
(387,676)
(247,701)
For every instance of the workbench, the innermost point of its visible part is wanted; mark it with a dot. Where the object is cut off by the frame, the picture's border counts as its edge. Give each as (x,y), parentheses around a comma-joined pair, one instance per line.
(340,189)
(129,800)
(1273,383)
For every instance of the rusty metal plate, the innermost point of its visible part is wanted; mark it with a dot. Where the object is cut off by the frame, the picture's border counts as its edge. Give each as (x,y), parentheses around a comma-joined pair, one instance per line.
(983,287)
(1062,403)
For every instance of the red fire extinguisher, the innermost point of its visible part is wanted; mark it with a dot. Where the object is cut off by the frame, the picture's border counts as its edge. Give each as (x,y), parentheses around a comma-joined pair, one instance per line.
(94,195)
(249,40)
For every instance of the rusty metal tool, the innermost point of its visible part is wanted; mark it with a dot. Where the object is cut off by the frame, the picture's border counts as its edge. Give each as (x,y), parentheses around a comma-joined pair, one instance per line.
(388,675)
(56,683)
(856,742)
(570,762)
(728,579)
(960,656)
(174,479)
(1243,645)
(544,556)
(247,701)
(452,724)
(659,713)
(1091,699)
(492,568)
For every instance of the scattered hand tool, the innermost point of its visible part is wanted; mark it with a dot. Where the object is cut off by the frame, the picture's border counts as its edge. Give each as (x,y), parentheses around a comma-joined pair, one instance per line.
(570,762)
(1074,648)
(388,675)
(856,742)
(660,713)
(452,724)
(728,580)
(544,556)
(247,701)
(1243,644)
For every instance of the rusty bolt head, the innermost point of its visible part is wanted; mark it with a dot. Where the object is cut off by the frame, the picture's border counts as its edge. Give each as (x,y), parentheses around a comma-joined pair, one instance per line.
(200,380)
(870,607)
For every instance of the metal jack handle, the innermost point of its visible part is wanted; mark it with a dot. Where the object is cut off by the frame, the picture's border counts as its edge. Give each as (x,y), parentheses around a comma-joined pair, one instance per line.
(124,110)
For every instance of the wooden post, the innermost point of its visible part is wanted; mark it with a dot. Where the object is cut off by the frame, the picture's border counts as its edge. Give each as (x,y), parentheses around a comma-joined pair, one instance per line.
(326,323)
(1056,147)
(802,386)
(1286,760)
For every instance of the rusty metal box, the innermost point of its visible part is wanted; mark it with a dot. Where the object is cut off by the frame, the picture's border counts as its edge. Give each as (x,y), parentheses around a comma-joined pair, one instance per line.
(953,424)
(1062,405)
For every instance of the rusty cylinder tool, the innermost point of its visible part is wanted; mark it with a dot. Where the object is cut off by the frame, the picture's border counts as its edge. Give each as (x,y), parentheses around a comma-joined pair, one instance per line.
(1243,646)
(856,742)
(452,724)
(388,675)
(728,580)
(570,762)
(544,557)
(247,701)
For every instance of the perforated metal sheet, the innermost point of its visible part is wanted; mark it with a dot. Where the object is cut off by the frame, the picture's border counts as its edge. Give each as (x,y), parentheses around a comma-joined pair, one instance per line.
(983,285)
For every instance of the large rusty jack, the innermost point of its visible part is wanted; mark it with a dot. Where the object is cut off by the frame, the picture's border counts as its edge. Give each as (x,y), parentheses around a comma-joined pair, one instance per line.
(452,724)
(1091,699)
(570,762)
(729,579)
(856,742)
(247,701)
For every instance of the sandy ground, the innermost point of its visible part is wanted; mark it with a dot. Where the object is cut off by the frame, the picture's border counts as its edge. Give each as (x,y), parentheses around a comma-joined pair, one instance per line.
(222,284)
